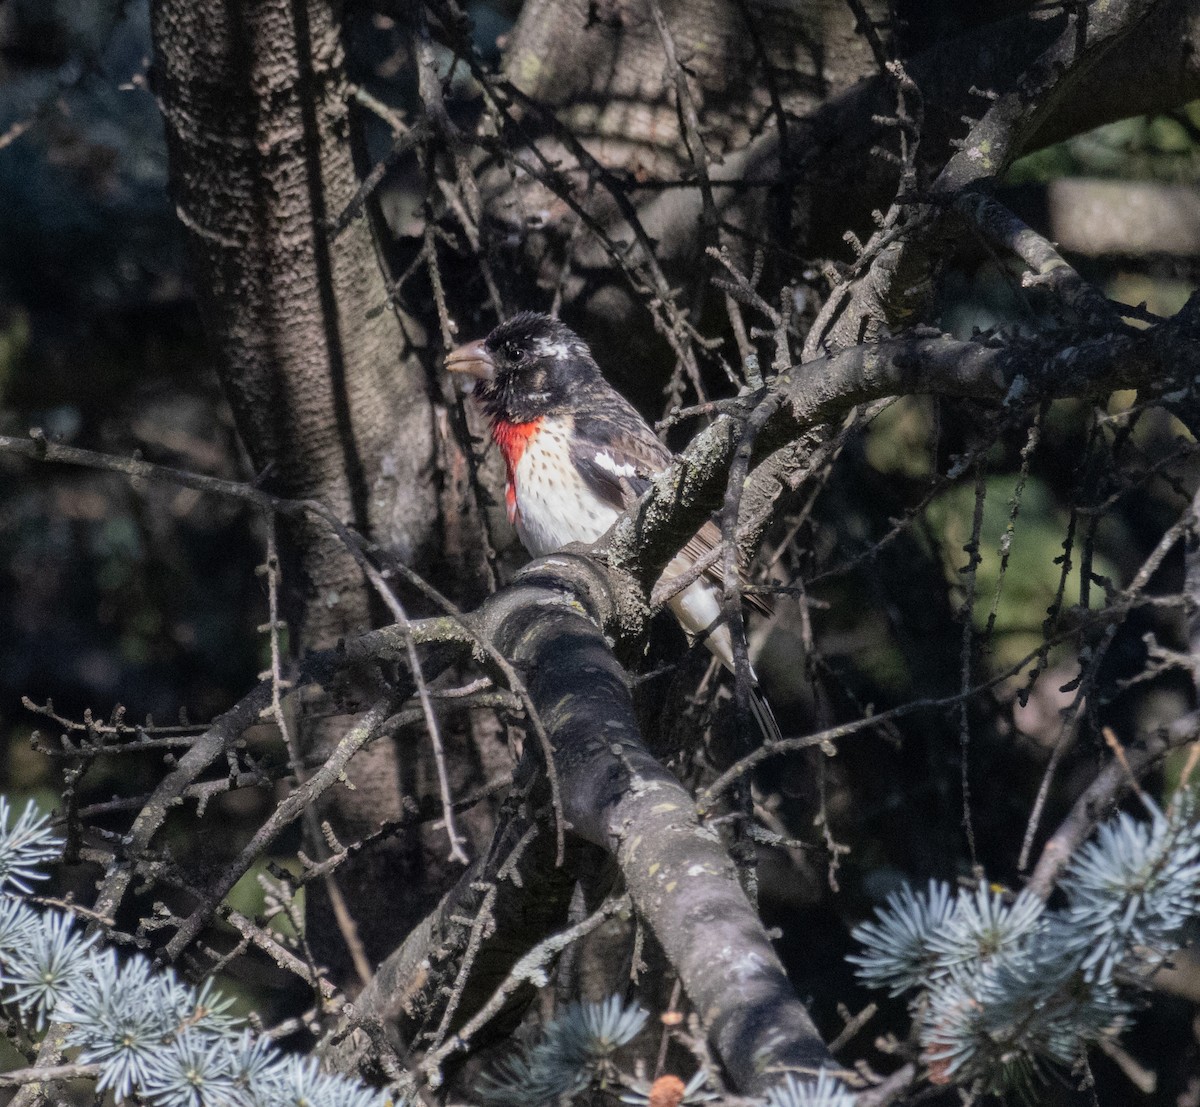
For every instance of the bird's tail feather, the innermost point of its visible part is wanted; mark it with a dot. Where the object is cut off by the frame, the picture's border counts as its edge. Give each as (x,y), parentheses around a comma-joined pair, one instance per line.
(764,716)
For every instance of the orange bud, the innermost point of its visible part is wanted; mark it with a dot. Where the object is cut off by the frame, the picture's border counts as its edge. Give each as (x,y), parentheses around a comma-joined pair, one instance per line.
(666,1091)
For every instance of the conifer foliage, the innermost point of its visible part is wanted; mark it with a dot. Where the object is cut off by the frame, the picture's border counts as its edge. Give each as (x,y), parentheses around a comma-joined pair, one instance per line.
(1002,986)
(149,1033)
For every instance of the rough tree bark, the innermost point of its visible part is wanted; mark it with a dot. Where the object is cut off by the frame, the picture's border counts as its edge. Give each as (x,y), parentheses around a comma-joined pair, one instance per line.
(331,398)
(557,622)
(328,388)
(553,622)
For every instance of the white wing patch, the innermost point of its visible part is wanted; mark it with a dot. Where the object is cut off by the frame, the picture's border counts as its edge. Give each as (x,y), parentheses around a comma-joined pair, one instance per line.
(606,461)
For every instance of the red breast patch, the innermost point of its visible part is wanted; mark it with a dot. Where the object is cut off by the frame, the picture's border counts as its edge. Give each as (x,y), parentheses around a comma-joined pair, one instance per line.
(513,438)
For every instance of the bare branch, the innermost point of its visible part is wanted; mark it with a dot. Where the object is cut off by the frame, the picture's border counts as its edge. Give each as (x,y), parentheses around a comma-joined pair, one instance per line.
(47,1074)
(292,807)
(890,292)
(1098,799)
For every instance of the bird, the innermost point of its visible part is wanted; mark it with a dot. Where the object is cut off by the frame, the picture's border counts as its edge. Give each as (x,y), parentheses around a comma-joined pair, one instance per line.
(576,455)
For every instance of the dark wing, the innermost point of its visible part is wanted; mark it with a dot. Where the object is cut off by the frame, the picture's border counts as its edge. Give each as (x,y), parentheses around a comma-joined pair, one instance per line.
(708,538)
(617,454)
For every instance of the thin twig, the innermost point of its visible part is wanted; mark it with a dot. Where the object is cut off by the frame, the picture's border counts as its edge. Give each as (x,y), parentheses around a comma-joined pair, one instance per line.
(967,613)
(481,928)
(1091,670)
(39,448)
(530,968)
(706,797)
(1098,798)
(341,912)
(273,948)
(689,120)
(48,1074)
(292,807)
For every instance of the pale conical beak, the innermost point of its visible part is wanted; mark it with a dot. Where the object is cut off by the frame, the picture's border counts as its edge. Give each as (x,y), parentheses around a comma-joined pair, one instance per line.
(473,359)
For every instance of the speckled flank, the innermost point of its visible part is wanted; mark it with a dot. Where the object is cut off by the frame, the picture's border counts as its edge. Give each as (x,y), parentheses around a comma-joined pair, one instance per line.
(554,507)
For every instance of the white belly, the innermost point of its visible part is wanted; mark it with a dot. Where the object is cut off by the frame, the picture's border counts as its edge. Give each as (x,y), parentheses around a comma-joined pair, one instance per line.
(554,507)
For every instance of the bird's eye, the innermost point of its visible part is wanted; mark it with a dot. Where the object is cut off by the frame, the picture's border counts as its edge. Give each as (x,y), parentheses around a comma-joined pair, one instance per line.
(512,352)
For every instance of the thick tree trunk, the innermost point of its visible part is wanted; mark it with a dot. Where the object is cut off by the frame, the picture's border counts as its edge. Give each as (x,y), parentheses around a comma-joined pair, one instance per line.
(604,70)
(330,398)
(327,386)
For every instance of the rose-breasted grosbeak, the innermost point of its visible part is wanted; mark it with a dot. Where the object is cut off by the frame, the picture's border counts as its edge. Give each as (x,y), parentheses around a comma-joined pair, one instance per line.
(577,454)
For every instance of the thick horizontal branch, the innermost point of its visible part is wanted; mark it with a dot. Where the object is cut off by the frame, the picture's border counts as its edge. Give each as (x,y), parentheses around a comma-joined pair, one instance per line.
(822,391)
(802,398)
(551,623)
(615,795)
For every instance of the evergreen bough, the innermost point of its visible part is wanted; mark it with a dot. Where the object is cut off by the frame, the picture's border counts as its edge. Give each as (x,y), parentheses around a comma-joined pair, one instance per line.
(1002,986)
(172,1044)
